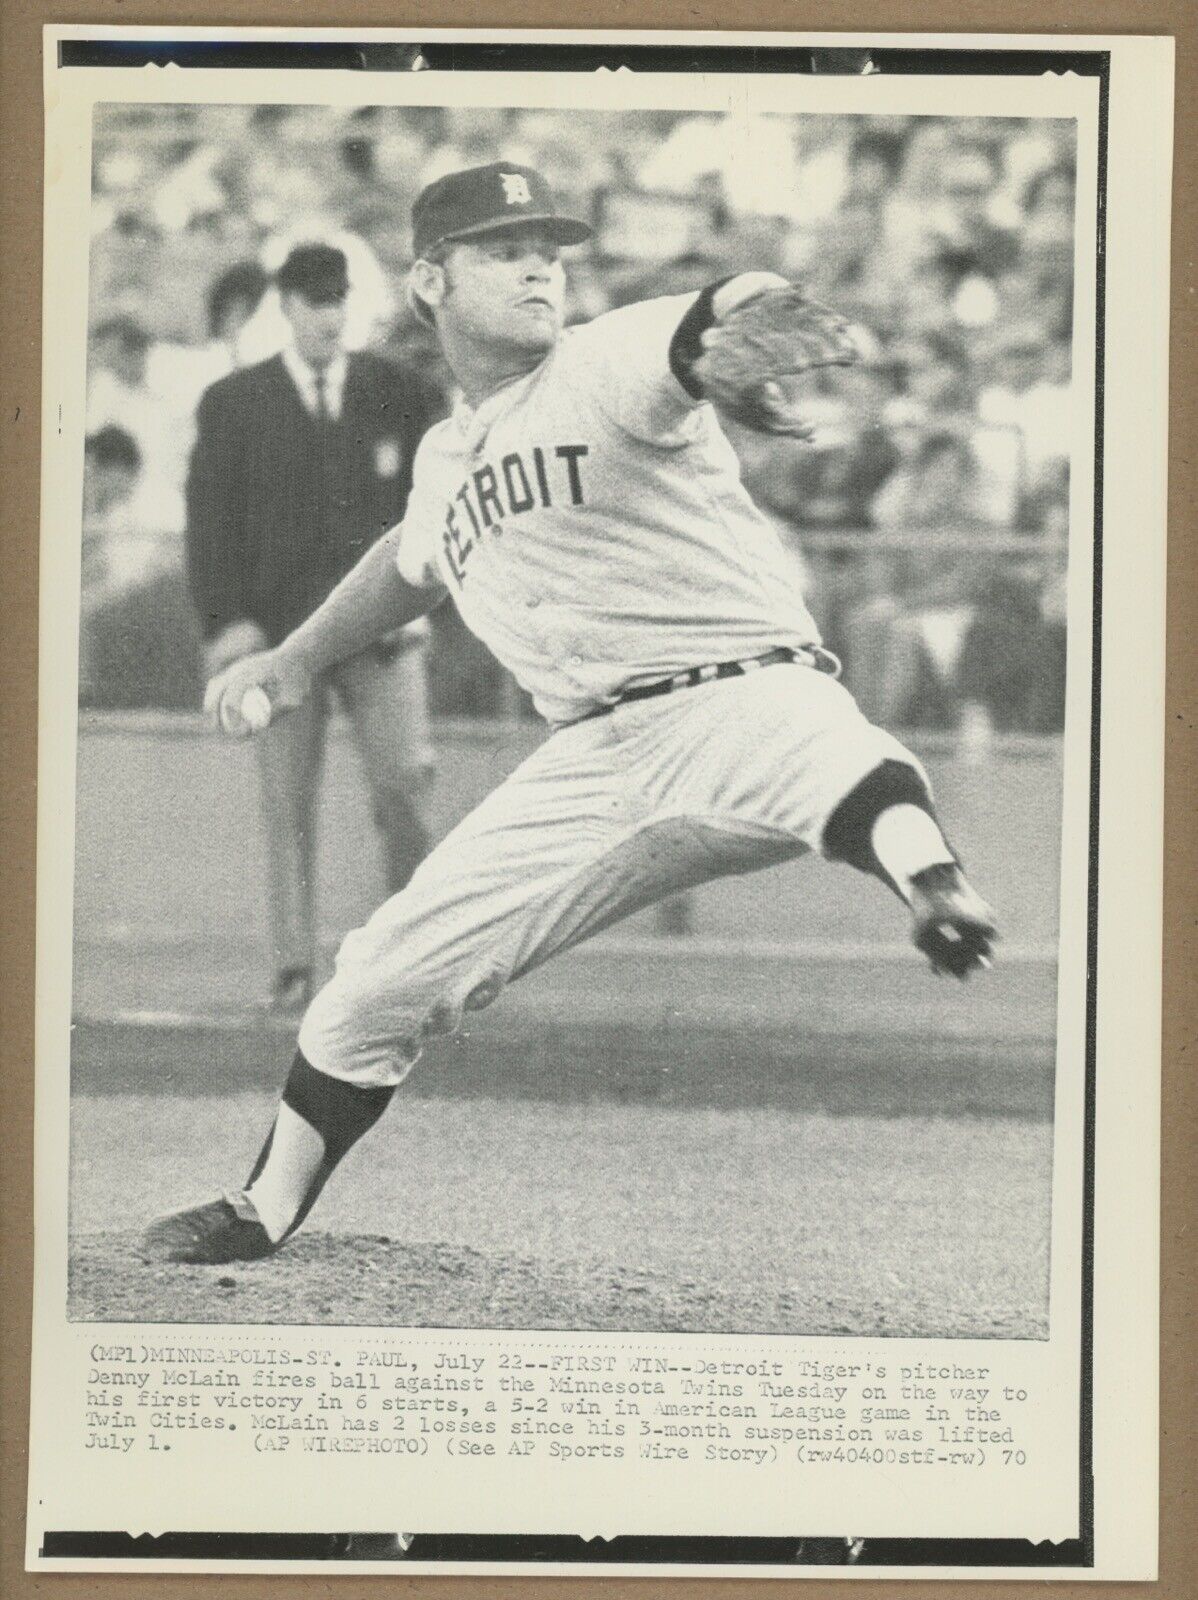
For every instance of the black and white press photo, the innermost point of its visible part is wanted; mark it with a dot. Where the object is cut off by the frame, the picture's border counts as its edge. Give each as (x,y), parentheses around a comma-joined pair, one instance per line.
(579,787)
(724,1115)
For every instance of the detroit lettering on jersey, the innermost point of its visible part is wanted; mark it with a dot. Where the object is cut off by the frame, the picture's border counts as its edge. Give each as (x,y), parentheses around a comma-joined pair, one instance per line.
(590,523)
(550,475)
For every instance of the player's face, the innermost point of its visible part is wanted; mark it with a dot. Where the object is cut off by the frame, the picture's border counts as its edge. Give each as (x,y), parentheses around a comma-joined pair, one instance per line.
(506,288)
(317,330)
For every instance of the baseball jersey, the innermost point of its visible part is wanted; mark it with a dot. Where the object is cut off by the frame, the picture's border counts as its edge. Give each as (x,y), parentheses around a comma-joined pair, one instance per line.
(590,523)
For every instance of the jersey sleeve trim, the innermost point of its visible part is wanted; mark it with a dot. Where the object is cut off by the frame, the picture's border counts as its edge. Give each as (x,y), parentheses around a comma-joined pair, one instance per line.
(687,344)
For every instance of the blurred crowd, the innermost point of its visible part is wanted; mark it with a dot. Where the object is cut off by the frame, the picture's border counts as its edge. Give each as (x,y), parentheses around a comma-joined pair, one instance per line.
(930,513)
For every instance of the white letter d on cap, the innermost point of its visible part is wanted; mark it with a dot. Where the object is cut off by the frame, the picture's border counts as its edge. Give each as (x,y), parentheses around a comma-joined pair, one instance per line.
(515,188)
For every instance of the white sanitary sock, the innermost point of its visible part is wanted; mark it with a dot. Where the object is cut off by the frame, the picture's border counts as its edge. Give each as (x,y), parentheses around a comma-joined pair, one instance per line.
(296,1152)
(906,840)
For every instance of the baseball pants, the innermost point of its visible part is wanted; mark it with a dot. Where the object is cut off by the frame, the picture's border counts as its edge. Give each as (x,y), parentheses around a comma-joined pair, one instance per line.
(384,695)
(607,816)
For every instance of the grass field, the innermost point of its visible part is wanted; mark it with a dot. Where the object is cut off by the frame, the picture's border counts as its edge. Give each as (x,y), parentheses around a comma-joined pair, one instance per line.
(798,1132)
(501,1214)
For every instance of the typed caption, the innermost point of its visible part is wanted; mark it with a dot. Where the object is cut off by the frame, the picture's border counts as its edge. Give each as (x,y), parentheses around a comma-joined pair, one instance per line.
(564,1406)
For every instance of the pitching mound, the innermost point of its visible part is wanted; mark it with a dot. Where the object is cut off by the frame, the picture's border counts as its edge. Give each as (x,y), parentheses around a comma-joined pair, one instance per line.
(372,1280)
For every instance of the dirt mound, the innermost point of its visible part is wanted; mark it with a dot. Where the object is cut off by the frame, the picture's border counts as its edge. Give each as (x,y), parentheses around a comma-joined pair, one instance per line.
(373,1280)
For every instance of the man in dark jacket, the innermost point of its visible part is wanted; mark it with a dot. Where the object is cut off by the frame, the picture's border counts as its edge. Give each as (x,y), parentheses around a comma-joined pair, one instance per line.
(300,464)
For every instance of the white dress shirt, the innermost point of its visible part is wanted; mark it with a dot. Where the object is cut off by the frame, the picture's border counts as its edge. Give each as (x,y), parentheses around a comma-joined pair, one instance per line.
(304,378)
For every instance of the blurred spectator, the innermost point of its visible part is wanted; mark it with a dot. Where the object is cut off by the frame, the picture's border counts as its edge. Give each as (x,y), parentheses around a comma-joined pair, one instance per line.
(1012,665)
(300,463)
(965,220)
(1030,395)
(748,163)
(829,484)
(470,137)
(576,164)
(232,301)
(119,395)
(848,252)
(934,488)
(178,374)
(118,554)
(1046,244)
(904,650)
(111,463)
(1044,504)
(137,639)
(946,637)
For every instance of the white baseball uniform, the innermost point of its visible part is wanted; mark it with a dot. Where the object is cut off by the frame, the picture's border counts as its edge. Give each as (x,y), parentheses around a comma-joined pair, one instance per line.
(590,524)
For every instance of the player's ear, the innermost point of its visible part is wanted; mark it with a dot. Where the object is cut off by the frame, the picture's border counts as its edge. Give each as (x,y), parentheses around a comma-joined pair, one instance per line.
(427,282)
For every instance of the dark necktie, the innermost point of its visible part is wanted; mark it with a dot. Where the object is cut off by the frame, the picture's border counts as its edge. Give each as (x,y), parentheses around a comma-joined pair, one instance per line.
(322,397)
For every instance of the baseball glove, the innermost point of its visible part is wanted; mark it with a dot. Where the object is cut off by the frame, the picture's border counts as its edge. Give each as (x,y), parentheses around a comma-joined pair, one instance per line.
(747,356)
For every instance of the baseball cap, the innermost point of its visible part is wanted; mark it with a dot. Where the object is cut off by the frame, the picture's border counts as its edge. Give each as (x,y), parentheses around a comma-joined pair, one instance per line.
(485,199)
(318,272)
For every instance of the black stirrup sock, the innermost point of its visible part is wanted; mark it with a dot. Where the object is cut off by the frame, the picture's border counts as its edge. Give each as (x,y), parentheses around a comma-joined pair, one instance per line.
(848,835)
(339,1112)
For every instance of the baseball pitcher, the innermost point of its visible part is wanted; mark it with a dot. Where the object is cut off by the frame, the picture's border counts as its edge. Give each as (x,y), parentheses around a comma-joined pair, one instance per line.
(584,510)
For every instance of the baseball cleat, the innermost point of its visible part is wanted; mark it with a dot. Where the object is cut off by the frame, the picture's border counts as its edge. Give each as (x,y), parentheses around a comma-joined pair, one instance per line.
(952,926)
(223,1230)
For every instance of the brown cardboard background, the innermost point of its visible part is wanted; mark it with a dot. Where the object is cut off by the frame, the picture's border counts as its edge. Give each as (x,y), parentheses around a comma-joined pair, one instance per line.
(20,311)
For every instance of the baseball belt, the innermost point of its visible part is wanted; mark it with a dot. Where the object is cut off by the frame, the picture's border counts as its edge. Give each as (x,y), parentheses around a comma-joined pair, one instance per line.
(808,655)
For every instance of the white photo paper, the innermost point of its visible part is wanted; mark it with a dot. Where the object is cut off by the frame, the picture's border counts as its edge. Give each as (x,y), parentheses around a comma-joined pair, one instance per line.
(518,801)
